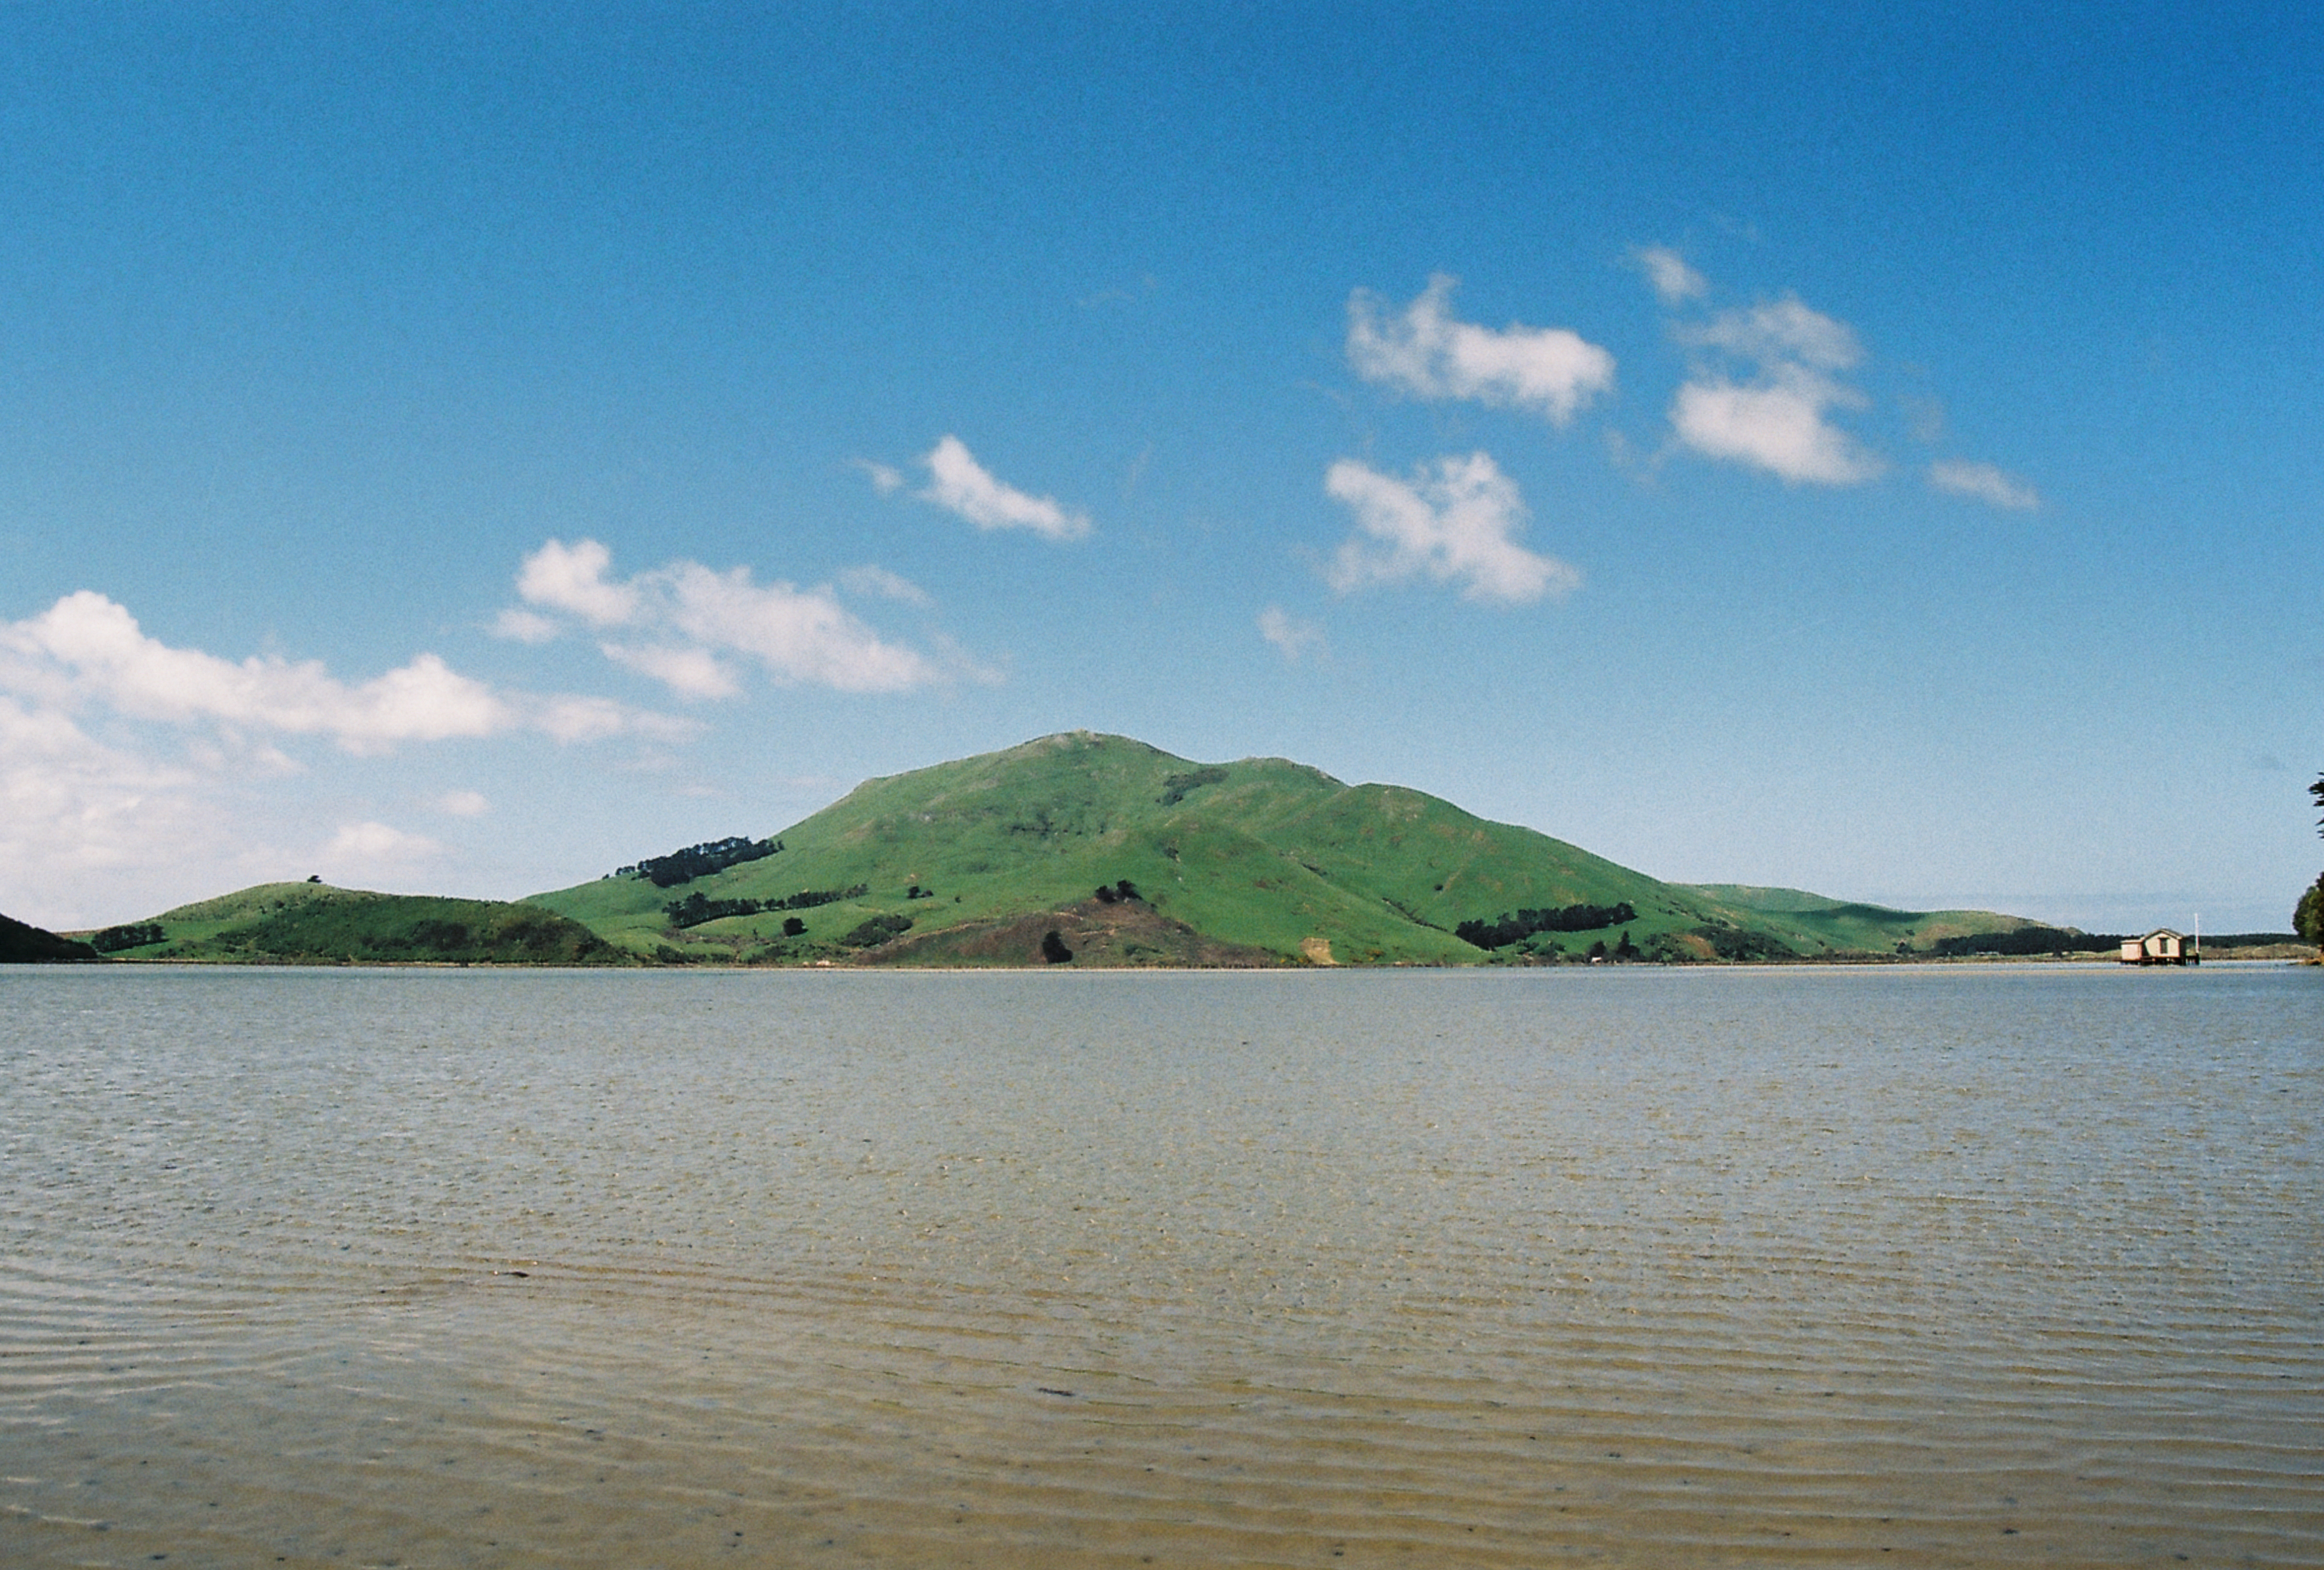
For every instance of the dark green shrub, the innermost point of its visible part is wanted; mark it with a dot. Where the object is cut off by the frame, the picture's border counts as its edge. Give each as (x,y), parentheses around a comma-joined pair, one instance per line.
(877,930)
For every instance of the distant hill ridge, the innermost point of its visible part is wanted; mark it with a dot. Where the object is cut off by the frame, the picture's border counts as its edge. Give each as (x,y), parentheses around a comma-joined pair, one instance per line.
(1258,860)
(314,923)
(1081,849)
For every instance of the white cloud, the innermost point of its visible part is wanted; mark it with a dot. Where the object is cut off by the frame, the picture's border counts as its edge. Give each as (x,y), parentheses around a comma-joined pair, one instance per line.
(886,585)
(959,484)
(1425,353)
(87,645)
(805,636)
(885,479)
(88,650)
(1984,482)
(463,804)
(1295,639)
(1777,422)
(693,620)
(573,579)
(1458,523)
(1666,270)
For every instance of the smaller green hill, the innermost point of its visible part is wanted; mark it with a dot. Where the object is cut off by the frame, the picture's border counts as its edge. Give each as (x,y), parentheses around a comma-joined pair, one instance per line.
(23,944)
(316,923)
(1810,920)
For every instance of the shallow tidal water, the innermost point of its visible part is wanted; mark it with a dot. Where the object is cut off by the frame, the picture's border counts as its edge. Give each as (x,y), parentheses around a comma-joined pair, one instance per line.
(1946,1266)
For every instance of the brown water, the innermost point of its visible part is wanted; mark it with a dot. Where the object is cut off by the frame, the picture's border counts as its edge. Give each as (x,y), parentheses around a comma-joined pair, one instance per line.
(1956,1266)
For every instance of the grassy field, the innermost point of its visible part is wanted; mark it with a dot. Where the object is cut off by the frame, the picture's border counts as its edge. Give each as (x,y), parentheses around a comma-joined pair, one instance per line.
(1266,858)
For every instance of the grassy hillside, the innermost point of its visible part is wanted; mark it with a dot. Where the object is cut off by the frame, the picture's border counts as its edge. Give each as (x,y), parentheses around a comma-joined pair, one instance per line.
(1842,925)
(316,923)
(1268,858)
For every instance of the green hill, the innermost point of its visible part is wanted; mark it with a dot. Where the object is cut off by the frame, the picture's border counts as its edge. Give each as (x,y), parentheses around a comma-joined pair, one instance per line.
(316,923)
(1843,925)
(1258,860)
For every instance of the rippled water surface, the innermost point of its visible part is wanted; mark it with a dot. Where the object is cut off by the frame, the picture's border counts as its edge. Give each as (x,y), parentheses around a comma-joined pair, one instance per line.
(1908,1267)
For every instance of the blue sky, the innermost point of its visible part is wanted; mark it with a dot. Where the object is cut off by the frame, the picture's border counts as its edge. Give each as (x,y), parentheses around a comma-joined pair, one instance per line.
(469,449)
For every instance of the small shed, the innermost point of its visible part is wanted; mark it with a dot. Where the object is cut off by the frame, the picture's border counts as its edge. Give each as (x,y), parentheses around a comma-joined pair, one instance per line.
(2160,947)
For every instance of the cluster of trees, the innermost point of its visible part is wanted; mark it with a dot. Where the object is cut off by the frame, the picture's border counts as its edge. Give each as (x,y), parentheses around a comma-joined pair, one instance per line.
(1124,890)
(1732,943)
(876,930)
(1624,949)
(2308,916)
(134,935)
(699,861)
(1516,928)
(2028,940)
(697,907)
(1175,787)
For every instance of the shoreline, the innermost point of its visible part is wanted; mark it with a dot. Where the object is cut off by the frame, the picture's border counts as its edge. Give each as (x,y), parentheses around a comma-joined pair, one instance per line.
(2091,961)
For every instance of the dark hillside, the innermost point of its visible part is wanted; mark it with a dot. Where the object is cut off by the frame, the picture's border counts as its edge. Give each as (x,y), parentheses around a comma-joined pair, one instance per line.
(22,944)
(316,923)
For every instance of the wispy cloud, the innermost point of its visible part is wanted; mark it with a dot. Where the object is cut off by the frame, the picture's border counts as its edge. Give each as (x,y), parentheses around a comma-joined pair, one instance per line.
(522,626)
(1666,270)
(885,479)
(361,848)
(885,584)
(1426,353)
(1778,420)
(463,804)
(1295,639)
(1456,522)
(959,484)
(689,672)
(1984,482)
(684,623)
(1781,332)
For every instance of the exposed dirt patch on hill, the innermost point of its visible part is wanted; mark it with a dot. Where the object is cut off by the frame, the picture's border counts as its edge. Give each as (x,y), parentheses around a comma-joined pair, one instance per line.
(1123,933)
